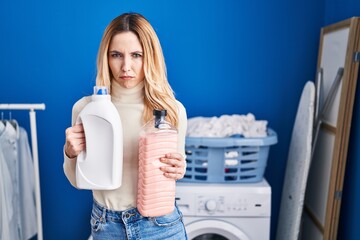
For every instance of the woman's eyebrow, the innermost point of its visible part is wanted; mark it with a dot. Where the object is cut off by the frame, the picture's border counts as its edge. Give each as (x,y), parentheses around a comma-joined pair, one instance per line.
(117,51)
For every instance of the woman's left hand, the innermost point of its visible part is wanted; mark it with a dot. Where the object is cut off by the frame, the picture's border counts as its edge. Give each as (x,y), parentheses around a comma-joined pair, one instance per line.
(176,166)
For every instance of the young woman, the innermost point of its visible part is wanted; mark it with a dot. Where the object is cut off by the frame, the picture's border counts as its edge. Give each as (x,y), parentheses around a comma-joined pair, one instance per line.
(131,63)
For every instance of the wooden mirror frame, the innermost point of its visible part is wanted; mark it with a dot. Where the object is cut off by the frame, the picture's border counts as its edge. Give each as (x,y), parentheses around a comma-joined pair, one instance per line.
(326,175)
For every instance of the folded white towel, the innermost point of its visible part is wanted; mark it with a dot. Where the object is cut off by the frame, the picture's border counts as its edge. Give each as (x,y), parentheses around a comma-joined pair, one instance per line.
(227,125)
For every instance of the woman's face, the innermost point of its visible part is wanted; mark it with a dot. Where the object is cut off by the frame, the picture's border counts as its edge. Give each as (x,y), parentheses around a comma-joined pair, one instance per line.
(126,59)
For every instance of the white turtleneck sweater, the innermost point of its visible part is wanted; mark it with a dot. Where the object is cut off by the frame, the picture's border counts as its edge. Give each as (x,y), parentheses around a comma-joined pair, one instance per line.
(130,104)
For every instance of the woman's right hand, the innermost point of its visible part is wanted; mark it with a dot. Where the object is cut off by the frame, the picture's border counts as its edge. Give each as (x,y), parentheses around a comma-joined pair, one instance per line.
(75,140)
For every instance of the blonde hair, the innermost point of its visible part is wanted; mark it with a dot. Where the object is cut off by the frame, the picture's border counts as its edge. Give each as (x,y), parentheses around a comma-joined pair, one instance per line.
(158,92)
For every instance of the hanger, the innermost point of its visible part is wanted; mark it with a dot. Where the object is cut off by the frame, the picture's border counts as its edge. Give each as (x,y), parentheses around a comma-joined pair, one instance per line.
(10,122)
(13,122)
(15,125)
(2,127)
(2,123)
(2,118)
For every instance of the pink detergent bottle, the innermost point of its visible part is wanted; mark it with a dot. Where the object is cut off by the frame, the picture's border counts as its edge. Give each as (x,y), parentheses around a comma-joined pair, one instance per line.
(156,193)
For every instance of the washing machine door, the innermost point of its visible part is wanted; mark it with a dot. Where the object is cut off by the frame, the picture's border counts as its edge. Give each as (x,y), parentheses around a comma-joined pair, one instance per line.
(201,229)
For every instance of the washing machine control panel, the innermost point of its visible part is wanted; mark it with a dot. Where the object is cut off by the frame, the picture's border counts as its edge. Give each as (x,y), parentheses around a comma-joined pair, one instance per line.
(227,200)
(232,205)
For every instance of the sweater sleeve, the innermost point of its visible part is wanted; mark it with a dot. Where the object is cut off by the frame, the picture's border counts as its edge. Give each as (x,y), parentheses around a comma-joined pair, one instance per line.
(69,164)
(182,128)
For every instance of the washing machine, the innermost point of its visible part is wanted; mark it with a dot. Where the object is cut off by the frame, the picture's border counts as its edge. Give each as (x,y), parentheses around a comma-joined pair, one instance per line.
(225,211)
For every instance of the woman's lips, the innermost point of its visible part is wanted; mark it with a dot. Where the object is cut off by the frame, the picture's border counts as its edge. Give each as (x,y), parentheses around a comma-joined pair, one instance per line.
(126,77)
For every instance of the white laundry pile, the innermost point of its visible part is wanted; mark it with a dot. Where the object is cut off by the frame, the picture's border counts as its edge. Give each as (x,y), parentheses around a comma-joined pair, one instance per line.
(227,125)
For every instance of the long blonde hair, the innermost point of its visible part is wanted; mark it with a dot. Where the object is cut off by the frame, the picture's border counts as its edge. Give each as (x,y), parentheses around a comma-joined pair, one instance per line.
(158,92)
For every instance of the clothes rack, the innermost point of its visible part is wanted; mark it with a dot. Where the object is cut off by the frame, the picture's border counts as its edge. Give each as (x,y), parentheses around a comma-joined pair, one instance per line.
(34,145)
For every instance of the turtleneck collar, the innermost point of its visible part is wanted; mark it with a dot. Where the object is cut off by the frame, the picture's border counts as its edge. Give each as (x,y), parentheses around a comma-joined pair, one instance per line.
(127,95)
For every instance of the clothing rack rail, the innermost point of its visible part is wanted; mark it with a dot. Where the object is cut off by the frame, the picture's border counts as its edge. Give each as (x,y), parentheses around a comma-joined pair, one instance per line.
(34,145)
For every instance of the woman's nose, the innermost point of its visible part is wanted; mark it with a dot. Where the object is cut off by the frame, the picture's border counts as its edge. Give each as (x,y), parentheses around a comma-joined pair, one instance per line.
(126,65)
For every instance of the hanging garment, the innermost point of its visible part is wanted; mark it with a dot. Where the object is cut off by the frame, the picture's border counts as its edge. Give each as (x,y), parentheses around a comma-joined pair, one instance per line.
(10,215)
(17,188)
(6,193)
(27,208)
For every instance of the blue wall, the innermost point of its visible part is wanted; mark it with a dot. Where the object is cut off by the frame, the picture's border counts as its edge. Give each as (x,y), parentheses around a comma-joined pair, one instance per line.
(223,57)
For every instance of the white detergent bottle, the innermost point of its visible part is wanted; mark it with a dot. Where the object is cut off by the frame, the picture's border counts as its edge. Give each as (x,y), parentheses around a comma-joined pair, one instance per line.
(100,165)
(156,193)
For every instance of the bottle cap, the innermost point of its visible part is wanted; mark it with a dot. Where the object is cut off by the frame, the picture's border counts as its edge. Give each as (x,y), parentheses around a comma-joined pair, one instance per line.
(101,90)
(159,113)
(159,116)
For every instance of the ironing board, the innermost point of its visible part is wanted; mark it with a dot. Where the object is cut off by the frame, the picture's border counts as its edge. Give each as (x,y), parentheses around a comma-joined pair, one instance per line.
(297,169)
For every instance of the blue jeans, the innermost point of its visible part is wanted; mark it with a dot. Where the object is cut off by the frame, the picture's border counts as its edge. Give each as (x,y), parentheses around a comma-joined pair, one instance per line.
(129,224)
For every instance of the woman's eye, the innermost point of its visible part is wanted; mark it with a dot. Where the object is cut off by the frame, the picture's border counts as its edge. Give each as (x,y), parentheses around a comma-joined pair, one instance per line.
(136,55)
(115,55)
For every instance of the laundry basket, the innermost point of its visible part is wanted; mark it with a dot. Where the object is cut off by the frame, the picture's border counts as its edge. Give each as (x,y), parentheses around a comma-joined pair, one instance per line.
(227,160)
